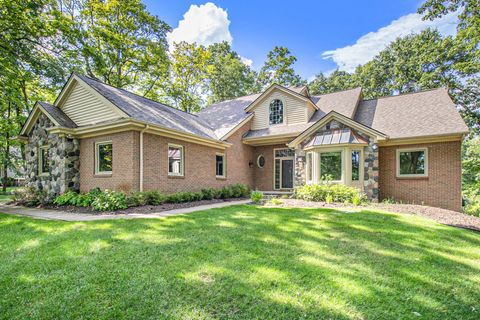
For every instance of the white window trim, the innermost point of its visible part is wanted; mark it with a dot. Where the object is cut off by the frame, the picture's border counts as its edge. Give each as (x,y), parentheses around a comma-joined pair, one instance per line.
(182,161)
(284,112)
(41,160)
(97,162)
(274,164)
(397,161)
(224,165)
(258,161)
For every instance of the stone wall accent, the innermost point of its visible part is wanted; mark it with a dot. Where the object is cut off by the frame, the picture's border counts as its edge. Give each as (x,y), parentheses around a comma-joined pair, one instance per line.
(63,157)
(371,170)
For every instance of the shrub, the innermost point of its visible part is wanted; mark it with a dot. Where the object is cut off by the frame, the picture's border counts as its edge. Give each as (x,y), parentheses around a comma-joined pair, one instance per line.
(66,199)
(135,199)
(357,200)
(109,200)
(328,192)
(30,197)
(256,196)
(239,190)
(472,205)
(154,198)
(208,194)
(227,192)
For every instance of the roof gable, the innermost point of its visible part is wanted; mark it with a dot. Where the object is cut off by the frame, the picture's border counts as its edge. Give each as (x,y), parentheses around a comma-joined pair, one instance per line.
(333,115)
(55,115)
(344,102)
(288,91)
(421,114)
(84,105)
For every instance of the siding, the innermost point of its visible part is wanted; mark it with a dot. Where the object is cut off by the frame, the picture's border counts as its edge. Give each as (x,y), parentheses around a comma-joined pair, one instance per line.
(85,108)
(295,110)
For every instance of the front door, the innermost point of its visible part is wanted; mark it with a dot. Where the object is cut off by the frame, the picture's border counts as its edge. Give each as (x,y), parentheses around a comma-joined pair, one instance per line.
(287,173)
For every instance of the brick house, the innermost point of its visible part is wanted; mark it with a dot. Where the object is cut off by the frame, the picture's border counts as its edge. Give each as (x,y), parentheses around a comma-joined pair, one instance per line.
(405,147)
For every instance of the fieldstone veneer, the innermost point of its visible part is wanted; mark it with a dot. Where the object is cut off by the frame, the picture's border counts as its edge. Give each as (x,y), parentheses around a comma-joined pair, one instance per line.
(370,179)
(63,158)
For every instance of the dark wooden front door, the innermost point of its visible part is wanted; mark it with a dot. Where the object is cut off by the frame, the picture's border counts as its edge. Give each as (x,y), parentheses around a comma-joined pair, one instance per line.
(287,174)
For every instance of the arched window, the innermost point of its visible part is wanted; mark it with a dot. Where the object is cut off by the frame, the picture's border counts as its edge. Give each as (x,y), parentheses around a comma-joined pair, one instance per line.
(276,112)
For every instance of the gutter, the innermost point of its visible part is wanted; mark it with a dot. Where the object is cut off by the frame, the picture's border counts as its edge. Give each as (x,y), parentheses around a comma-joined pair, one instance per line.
(141,156)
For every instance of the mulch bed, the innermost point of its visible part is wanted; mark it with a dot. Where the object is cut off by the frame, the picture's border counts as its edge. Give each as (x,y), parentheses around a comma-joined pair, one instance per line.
(443,216)
(141,209)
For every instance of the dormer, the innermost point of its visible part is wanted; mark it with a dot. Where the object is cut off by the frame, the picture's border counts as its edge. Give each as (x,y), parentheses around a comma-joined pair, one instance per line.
(281,106)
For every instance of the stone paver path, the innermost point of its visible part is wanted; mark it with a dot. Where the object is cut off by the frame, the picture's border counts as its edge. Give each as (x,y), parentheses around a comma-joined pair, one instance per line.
(69,216)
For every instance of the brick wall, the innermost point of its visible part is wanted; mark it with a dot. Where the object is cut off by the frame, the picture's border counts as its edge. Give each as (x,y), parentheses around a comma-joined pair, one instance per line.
(199,170)
(125,162)
(442,187)
(263,177)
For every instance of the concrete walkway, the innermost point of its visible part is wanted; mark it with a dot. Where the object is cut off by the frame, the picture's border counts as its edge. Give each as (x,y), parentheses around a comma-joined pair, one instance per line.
(70,216)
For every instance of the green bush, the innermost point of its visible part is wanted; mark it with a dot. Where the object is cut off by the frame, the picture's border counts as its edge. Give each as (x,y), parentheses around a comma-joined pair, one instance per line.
(66,199)
(135,199)
(154,198)
(256,196)
(472,204)
(109,200)
(226,192)
(209,194)
(328,193)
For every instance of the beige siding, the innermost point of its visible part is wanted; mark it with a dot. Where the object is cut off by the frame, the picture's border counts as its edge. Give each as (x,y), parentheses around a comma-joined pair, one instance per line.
(84,108)
(295,110)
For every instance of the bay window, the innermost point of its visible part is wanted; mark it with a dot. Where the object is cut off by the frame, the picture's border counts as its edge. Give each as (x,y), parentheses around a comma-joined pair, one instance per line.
(331,166)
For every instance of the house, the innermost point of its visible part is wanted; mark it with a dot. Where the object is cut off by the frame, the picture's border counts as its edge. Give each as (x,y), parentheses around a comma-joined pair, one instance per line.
(405,147)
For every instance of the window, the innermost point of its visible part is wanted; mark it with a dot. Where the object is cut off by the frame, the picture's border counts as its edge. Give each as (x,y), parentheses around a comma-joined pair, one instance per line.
(103,157)
(309,161)
(175,160)
(220,165)
(355,165)
(261,161)
(43,163)
(331,166)
(276,112)
(412,162)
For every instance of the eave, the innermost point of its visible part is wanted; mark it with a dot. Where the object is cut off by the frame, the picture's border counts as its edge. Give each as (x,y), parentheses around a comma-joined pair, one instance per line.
(135,125)
(270,140)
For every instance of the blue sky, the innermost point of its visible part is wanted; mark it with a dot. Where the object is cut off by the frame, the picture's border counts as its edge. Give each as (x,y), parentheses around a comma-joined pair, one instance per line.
(323,35)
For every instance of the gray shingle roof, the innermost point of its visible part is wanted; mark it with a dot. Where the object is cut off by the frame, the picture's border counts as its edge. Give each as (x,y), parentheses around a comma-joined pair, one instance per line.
(57,114)
(150,111)
(411,115)
(343,102)
(226,115)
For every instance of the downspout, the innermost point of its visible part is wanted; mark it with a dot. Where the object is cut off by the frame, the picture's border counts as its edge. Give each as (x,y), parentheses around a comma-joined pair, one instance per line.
(141,156)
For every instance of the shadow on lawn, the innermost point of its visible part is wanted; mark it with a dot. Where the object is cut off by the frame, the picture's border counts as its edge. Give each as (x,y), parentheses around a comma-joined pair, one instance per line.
(241,262)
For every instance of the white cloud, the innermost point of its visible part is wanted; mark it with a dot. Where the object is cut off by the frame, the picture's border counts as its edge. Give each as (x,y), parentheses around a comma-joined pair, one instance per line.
(370,44)
(204,24)
(246,61)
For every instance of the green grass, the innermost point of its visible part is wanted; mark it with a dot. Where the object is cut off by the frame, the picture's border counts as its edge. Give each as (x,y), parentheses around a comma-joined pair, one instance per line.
(240,262)
(6,196)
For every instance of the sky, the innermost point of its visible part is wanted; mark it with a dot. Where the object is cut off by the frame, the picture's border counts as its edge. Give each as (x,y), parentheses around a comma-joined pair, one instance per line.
(322,35)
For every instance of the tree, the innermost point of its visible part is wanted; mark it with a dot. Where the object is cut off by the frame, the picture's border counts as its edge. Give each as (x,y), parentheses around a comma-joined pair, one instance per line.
(229,77)
(118,42)
(279,69)
(411,63)
(468,29)
(189,71)
(467,97)
(337,81)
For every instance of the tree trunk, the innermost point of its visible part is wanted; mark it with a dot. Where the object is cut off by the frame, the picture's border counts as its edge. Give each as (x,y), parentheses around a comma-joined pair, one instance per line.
(7,151)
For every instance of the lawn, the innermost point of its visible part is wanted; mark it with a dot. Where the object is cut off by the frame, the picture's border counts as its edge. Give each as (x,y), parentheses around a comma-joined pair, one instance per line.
(240,262)
(6,196)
